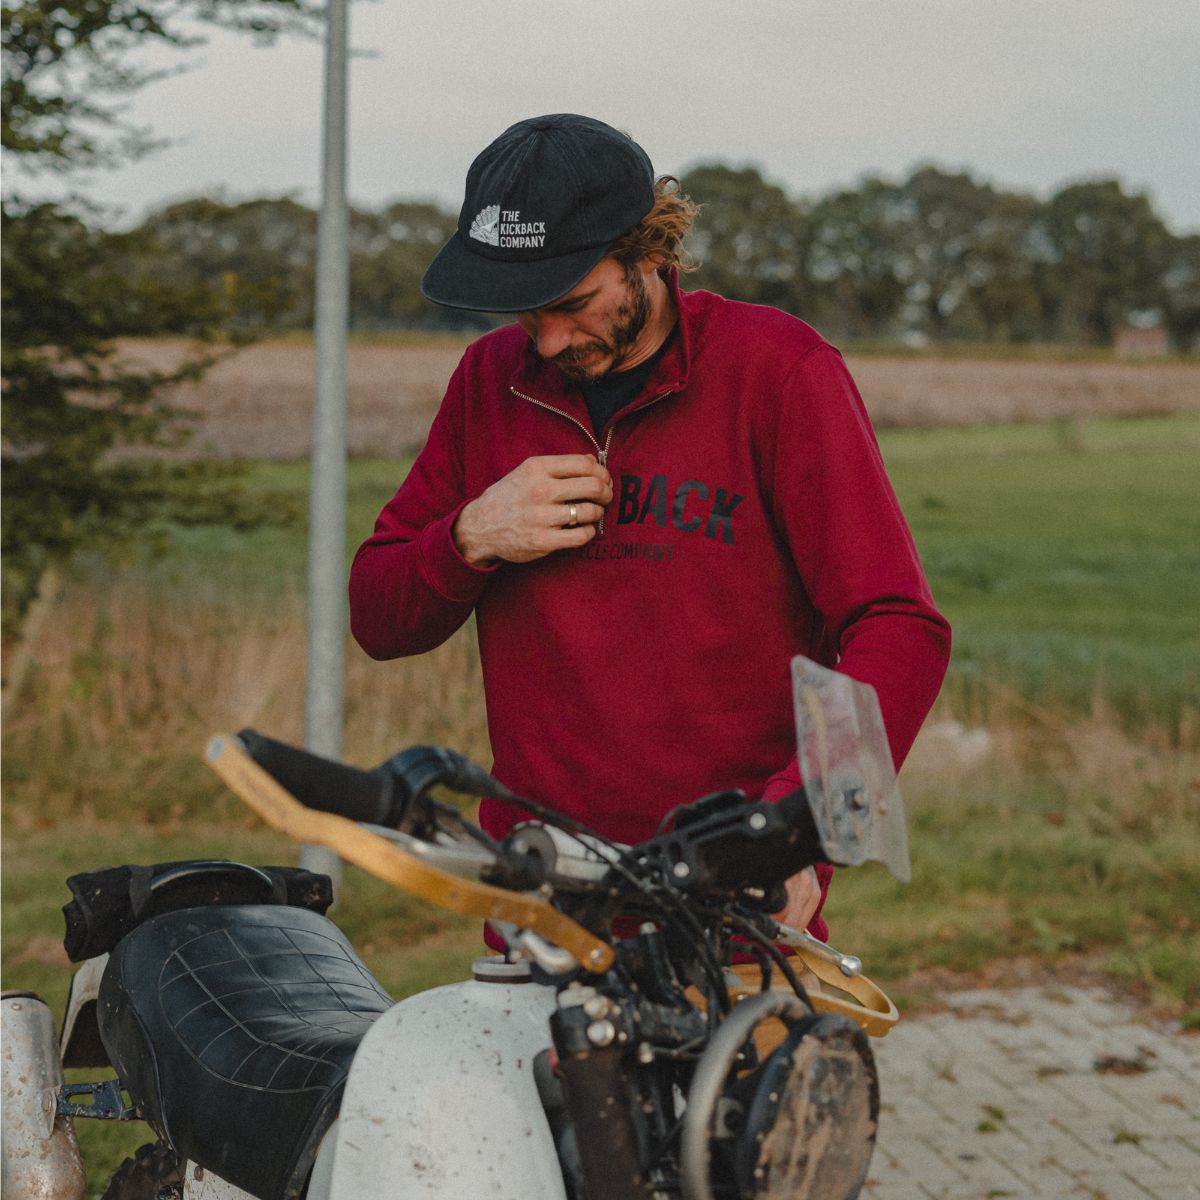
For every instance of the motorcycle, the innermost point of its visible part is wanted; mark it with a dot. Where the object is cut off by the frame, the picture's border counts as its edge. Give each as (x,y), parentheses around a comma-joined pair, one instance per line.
(651,1031)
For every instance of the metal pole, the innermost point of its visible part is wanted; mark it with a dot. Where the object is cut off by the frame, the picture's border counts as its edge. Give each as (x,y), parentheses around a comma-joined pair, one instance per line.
(327,503)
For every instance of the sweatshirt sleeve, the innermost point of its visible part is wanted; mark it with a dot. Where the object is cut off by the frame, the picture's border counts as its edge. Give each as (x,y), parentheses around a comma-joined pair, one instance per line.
(855,555)
(852,547)
(410,588)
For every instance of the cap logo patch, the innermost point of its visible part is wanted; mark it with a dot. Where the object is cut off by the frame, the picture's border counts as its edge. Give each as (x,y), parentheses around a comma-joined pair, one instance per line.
(506,229)
(486,226)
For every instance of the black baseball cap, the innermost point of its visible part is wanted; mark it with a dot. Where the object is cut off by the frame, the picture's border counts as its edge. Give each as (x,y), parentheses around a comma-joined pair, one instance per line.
(543,204)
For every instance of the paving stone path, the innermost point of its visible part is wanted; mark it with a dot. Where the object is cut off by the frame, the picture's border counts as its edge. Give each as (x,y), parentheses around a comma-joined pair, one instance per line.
(1049,1093)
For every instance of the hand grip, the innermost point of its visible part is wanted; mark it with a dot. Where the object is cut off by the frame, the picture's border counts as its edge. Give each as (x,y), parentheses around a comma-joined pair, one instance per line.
(375,797)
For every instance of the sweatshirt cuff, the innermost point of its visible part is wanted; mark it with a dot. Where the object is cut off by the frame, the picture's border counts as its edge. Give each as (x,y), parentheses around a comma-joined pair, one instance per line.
(445,569)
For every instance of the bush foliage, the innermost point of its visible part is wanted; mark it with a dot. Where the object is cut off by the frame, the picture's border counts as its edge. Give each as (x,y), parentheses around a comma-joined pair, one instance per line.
(78,420)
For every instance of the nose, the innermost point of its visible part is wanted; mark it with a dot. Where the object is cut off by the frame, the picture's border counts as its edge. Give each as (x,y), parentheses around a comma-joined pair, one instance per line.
(551,332)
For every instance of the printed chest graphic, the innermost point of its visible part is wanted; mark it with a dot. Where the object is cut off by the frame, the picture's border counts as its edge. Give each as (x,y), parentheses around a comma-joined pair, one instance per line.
(708,514)
(690,506)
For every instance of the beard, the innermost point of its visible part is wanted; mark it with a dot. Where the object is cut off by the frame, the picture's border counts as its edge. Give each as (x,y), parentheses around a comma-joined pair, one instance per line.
(630,320)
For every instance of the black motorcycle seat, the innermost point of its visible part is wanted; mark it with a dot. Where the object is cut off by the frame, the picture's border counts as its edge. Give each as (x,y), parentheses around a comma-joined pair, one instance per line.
(233,1029)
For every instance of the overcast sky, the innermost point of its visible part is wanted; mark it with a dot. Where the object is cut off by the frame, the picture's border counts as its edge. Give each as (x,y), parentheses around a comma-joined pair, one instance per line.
(1026,93)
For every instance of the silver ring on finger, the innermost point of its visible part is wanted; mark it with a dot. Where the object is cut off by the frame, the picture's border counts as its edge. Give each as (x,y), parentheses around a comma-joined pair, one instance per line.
(572,516)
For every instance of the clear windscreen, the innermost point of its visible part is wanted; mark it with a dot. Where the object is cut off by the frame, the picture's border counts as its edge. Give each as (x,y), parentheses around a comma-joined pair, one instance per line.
(846,766)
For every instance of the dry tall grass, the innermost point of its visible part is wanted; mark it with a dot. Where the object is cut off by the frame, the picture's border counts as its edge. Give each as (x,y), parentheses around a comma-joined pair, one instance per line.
(976,745)
(128,686)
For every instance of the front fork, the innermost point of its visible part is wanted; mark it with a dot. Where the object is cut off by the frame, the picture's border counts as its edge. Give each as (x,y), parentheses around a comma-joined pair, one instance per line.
(592,1037)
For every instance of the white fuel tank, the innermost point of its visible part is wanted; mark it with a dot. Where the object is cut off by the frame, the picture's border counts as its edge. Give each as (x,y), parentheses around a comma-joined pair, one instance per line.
(441,1102)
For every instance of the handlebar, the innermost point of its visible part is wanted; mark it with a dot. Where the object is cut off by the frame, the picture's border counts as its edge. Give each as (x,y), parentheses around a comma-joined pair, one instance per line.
(391,795)
(556,887)
(720,843)
(405,859)
(328,786)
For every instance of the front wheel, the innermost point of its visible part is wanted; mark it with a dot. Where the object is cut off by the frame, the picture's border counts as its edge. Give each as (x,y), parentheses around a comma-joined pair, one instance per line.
(799,1125)
(810,1121)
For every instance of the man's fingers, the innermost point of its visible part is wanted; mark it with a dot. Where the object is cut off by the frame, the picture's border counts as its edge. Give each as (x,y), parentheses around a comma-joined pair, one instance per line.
(547,503)
(589,487)
(557,537)
(566,537)
(803,896)
(556,479)
(568,466)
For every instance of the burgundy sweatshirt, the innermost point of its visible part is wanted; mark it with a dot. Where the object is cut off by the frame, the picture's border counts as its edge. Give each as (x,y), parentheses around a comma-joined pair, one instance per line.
(751,521)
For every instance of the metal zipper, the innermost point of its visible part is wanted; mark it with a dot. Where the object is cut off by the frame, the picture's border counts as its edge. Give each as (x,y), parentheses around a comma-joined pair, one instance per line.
(601,454)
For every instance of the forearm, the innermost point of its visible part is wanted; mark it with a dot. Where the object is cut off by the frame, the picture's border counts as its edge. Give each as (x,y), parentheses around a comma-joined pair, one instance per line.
(901,647)
(409,594)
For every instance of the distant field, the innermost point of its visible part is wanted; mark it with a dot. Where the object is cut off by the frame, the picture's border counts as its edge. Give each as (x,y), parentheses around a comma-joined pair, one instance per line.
(257,404)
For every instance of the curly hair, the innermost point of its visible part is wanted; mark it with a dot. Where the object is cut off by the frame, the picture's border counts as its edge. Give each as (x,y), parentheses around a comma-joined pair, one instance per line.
(659,234)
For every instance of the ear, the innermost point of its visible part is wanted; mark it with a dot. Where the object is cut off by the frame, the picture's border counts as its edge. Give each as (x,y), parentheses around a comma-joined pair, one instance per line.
(649,266)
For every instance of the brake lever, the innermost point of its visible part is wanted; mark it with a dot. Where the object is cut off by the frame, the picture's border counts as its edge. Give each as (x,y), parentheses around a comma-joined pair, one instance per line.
(848,964)
(443,851)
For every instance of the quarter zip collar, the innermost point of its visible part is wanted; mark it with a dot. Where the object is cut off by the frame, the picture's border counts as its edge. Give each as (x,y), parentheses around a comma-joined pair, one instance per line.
(540,379)
(585,424)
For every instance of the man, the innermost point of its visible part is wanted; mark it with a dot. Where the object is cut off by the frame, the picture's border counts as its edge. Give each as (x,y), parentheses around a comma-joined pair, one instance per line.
(651,499)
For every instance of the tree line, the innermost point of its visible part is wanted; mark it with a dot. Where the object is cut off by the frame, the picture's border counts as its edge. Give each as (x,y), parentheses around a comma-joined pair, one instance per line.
(937,256)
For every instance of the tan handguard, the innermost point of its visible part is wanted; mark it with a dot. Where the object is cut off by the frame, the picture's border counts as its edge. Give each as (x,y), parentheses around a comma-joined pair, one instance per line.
(350,841)
(870,1006)
(874,1011)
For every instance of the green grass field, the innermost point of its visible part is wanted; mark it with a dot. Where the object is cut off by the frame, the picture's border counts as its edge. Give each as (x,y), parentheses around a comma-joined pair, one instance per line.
(1066,557)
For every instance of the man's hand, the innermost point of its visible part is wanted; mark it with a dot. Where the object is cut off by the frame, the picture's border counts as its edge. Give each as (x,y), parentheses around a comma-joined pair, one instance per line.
(528,514)
(804,894)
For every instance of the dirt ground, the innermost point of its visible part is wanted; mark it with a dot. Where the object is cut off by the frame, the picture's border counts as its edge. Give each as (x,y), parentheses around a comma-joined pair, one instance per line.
(925,991)
(257,403)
